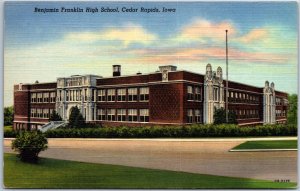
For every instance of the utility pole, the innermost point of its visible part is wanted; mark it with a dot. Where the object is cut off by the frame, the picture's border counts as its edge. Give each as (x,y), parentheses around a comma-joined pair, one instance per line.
(226,104)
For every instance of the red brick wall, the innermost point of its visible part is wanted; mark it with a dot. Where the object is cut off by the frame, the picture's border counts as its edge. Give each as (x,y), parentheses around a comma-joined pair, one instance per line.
(240,86)
(43,86)
(129,79)
(21,105)
(166,103)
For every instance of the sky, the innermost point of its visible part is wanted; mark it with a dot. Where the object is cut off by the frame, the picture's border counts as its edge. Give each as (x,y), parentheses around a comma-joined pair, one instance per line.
(262,40)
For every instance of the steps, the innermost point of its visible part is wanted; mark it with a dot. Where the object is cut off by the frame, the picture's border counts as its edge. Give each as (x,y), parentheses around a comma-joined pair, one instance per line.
(51,125)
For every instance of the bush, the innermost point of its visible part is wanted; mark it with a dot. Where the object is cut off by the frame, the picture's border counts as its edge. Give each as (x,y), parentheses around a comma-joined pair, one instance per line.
(29,144)
(76,119)
(55,116)
(8,115)
(9,133)
(195,130)
(220,116)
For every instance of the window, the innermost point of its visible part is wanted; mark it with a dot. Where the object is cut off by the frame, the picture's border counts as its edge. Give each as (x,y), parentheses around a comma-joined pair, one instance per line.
(33,112)
(144,115)
(198,93)
(39,113)
(190,116)
(93,95)
(77,95)
(50,112)
(231,94)
(52,97)
(33,97)
(132,94)
(85,94)
(132,115)
(111,114)
(216,94)
(198,116)
(190,95)
(46,97)
(101,95)
(80,95)
(111,94)
(121,113)
(71,95)
(67,95)
(144,94)
(101,114)
(59,95)
(45,113)
(39,97)
(122,94)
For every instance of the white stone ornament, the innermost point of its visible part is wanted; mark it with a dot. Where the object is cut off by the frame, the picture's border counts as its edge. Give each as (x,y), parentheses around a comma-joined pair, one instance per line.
(165,75)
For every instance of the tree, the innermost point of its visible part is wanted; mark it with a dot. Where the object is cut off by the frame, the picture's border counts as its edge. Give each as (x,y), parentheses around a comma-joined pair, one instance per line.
(54,116)
(29,144)
(220,116)
(292,111)
(8,115)
(76,120)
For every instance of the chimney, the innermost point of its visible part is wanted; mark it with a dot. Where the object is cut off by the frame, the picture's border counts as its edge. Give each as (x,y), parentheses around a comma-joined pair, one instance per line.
(116,70)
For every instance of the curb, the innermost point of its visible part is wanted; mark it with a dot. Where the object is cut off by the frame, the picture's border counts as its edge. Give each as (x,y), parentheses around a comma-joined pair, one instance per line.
(176,139)
(260,150)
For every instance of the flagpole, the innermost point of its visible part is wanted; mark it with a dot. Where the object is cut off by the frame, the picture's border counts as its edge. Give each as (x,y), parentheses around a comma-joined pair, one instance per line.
(226,78)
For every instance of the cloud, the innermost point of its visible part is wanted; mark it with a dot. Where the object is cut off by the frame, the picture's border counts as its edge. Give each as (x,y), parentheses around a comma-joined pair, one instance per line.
(254,35)
(127,34)
(201,54)
(204,30)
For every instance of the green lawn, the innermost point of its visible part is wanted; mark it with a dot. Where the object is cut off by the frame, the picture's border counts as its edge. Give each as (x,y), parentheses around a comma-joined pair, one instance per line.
(51,173)
(9,127)
(285,144)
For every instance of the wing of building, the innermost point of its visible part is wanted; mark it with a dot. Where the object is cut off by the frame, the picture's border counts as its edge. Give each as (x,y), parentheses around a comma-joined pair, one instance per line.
(165,97)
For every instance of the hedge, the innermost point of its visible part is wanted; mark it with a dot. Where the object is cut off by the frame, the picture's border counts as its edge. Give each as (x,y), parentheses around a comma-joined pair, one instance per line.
(190,131)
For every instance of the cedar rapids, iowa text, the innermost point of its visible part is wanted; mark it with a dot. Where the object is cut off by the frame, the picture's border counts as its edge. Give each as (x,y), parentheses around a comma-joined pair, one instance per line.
(104,10)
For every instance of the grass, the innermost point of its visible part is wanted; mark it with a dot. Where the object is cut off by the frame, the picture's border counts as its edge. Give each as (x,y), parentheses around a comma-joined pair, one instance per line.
(6,128)
(52,173)
(284,144)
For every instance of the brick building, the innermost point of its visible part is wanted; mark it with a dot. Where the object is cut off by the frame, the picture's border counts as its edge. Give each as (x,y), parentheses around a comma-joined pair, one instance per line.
(167,96)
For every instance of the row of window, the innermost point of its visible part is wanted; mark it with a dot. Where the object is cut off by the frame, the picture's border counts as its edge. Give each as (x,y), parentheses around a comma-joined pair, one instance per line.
(194,93)
(280,113)
(238,97)
(281,101)
(75,95)
(124,94)
(246,113)
(45,97)
(40,113)
(131,115)
(194,116)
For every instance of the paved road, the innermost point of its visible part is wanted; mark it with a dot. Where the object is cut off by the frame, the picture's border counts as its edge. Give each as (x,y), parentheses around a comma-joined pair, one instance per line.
(205,156)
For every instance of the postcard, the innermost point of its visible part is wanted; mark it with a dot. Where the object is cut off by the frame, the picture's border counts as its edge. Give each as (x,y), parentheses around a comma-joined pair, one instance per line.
(150,95)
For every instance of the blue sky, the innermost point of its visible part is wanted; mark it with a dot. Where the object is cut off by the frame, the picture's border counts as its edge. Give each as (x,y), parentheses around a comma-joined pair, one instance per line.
(262,41)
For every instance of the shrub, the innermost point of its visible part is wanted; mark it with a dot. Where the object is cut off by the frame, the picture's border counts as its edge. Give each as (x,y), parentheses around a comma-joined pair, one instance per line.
(8,115)
(76,119)
(9,133)
(54,116)
(195,130)
(29,144)
(220,116)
